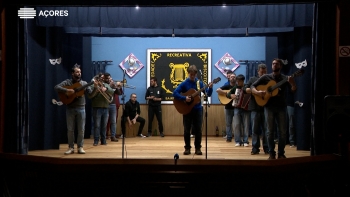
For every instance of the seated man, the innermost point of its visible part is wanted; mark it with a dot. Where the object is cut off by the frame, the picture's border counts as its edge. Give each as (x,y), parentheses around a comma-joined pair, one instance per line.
(132,115)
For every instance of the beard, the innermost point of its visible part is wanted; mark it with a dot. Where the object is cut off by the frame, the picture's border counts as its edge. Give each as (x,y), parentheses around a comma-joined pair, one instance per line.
(276,69)
(77,77)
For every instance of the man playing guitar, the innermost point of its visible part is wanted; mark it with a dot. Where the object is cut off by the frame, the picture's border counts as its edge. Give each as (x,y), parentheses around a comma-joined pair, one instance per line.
(275,108)
(257,117)
(195,116)
(229,109)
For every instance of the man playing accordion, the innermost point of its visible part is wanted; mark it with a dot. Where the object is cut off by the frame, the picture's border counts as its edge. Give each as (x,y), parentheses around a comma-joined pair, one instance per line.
(241,113)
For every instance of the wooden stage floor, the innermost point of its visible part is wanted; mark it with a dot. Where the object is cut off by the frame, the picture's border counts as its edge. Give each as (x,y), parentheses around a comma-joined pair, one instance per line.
(156,147)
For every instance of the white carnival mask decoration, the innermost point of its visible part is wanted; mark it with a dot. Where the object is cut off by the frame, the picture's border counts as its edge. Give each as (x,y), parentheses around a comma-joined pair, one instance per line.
(301,64)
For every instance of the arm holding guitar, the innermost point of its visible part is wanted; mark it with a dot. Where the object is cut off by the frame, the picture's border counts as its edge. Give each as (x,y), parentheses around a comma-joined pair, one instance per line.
(292,83)
(248,90)
(177,93)
(231,94)
(257,92)
(220,91)
(70,92)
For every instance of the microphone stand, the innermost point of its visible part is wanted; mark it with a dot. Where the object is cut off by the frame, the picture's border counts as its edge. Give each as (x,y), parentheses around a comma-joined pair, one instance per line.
(206,120)
(123,120)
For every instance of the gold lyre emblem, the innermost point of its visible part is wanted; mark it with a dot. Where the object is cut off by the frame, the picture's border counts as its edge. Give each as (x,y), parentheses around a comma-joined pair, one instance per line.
(178,73)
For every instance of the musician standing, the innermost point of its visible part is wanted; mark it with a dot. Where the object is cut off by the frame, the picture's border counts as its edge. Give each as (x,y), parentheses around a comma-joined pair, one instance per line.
(75,111)
(113,106)
(275,108)
(195,116)
(257,116)
(154,95)
(101,97)
(240,115)
(228,74)
(229,109)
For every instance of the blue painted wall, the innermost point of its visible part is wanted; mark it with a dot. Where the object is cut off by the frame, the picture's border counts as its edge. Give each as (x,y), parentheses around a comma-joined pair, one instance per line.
(117,49)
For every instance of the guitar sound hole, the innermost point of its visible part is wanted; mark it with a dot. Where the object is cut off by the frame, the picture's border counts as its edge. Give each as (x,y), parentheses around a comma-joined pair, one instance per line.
(269,89)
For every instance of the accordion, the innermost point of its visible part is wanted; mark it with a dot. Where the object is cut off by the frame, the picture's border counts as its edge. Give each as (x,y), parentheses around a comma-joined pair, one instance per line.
(242,99)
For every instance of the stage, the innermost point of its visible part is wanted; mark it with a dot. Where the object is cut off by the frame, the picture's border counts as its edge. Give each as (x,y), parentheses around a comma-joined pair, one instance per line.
(149,169)
(156,147)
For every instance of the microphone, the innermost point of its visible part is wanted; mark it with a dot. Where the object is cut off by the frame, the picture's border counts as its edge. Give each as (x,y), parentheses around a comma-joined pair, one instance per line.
(124,70)
(200,71)
(176,156)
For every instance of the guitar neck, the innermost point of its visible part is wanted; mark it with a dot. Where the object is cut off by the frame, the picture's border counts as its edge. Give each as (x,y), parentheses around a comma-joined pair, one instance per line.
(281,82)
(84,86)
(278,84)
(196,93)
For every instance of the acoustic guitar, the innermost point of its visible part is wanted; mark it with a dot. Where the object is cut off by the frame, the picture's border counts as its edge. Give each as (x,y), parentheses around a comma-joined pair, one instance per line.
(184,107)
(271,88)
(223,99)
(78,91)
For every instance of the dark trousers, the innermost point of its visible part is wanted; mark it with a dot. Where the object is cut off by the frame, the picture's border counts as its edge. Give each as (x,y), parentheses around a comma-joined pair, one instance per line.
(193,120)
(138,119)
(155,110)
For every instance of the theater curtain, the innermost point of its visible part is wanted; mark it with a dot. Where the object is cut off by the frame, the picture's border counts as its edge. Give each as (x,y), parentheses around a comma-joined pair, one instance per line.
(323,71)
(207,20)
(16,87)
(252,68)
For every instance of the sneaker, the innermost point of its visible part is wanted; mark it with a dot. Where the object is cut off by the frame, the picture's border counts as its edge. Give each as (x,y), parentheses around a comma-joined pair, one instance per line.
(292,145)
(225,137)
(281,156)
(192,136)
(161,134)
(228,140)
(140,135)
(187,151)
(149,134)
(114,139)
(237,144)
(198,151)
(254,153)
(95,144)
(69,151)
(81,150)
(246,144)
(272,156)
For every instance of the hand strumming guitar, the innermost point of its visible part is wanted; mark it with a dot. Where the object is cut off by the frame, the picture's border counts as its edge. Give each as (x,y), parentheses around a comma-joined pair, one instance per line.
(70,92)
(260,93)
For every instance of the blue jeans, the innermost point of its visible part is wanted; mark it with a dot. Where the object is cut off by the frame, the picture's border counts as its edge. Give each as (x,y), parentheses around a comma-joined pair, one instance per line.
(78,116)
(112,113)
(194,120)
(276,115)
(241,117)
(258,130)
(100,122)
(229,114)
(290,111)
